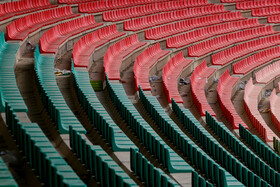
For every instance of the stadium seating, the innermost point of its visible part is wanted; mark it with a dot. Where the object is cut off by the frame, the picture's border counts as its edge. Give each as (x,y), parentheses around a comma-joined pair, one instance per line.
(8,86)
(162,18)
(100,6)
(273,18)
(97,113)
(251,107)
(237,51)
(198,82)
(181,141)
(142,167)
(193,23)
(51,96)
(146,135)
(268,73)
(198,180)
(88,43)
(54,37)
(276,145)
(224,91)
(115,54)
(257,145)
(52,169)
(246,5)
(249,158)
(213,44)
(11,9)
(21,28)
(69,2)
(274,109)
(157,7)
(100,164)
(250,63)
(143,64)
(266,11)
(213,148)
(207,32)
(170,73)
(6,178)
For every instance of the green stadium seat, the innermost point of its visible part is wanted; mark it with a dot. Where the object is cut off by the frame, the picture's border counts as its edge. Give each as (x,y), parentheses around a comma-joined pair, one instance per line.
(150,139)
(249,158)
(52,169)
(8,86)
(197,156)
(147,173)
(97,113)
(51,96)
(100,164)
(6,178)
(213,147)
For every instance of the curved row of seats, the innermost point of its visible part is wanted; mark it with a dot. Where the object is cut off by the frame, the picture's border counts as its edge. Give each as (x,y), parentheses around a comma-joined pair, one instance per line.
(251,107)
(208,32)
(8,86)
(170,73)
(138,11)
(69,2)
(6,177)
(142,167)
(100,164)
(213,44)
(143,64)
(117,52)
(268,73)
(163,31)
(246,5)
(212,147)
(250,63)
(22,27)
(198,81)
(100,6)
(266,11)
(259,147)
(249,158)
(224,92)
(52,169)
(274,109)
(54,37)
(97,113)
(51,96)
(194,154)
(162,18)
(146,135)
(11,9)
(226,56)
(87,44)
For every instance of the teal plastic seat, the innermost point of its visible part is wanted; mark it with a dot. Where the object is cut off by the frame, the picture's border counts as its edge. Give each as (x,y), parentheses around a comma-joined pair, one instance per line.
(100,164)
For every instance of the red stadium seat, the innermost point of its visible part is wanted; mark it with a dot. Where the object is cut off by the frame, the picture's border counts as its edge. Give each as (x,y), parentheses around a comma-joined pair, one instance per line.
(273,18)
(248,64)
(266,11)
(170,74)
(251,107)
(198,82)
(11,9)
(207,32)
(189,24)
(246,5)
(226,56)
(144,62)
(268,73)
(20,28)
(137,11)
(72,1)
(208,46)
(158,19)
(53,38)
(88,43)
(115,54)
(224,89)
